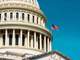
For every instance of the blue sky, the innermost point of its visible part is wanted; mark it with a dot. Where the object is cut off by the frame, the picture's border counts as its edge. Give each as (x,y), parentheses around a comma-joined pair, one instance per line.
(66,14)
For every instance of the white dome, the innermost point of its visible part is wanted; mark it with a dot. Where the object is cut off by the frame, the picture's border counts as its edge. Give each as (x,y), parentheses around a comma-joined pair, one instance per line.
(22,29)
(29,2)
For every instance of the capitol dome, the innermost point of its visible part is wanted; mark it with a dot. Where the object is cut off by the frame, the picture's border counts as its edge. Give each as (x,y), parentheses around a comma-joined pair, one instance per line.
(22,30)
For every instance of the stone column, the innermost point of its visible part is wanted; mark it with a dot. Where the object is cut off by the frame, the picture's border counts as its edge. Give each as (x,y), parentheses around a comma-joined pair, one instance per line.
(36,42)
(34,39)
(48,44)
(35,20)
(8,16)
(31,18)
(2,16)
(40,42)
(28,34)
(13,38)
(45,43)
(39,21)
(20,41)
(25,17)
(14,16)
(6,38)
(20,16)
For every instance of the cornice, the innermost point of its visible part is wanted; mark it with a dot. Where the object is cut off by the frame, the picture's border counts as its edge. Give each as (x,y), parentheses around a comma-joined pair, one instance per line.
(27,26)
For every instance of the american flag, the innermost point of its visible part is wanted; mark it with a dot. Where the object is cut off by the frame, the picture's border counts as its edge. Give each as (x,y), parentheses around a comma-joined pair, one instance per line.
(54,27)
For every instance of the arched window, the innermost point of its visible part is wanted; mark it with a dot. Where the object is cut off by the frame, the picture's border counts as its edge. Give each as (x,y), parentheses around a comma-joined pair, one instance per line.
(17,15)
(5,16)
(28,17)
(10,39)
(37,20)
(3,39)
(11,15)
(22,16)
(0,16)
(33,19)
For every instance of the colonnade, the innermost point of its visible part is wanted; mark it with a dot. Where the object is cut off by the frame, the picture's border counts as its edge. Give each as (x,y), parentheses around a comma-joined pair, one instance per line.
(25,38)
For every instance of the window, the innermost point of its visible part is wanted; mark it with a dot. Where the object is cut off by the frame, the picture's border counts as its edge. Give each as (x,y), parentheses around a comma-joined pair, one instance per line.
(5,16)
(0,16)
(33,19)
(10,39)
(17,15)
(22,16)
(17,39)
(23,40)
(11,15)
(28,17)
(3,39)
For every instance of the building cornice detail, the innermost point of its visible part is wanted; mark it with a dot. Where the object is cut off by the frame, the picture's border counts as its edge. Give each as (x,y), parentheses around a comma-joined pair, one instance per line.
(26,26)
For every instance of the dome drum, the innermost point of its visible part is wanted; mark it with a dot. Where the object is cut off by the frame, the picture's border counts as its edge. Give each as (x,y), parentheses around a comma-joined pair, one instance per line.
(21,16)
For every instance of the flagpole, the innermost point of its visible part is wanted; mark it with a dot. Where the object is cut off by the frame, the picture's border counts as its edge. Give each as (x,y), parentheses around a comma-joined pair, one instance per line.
(53,28)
